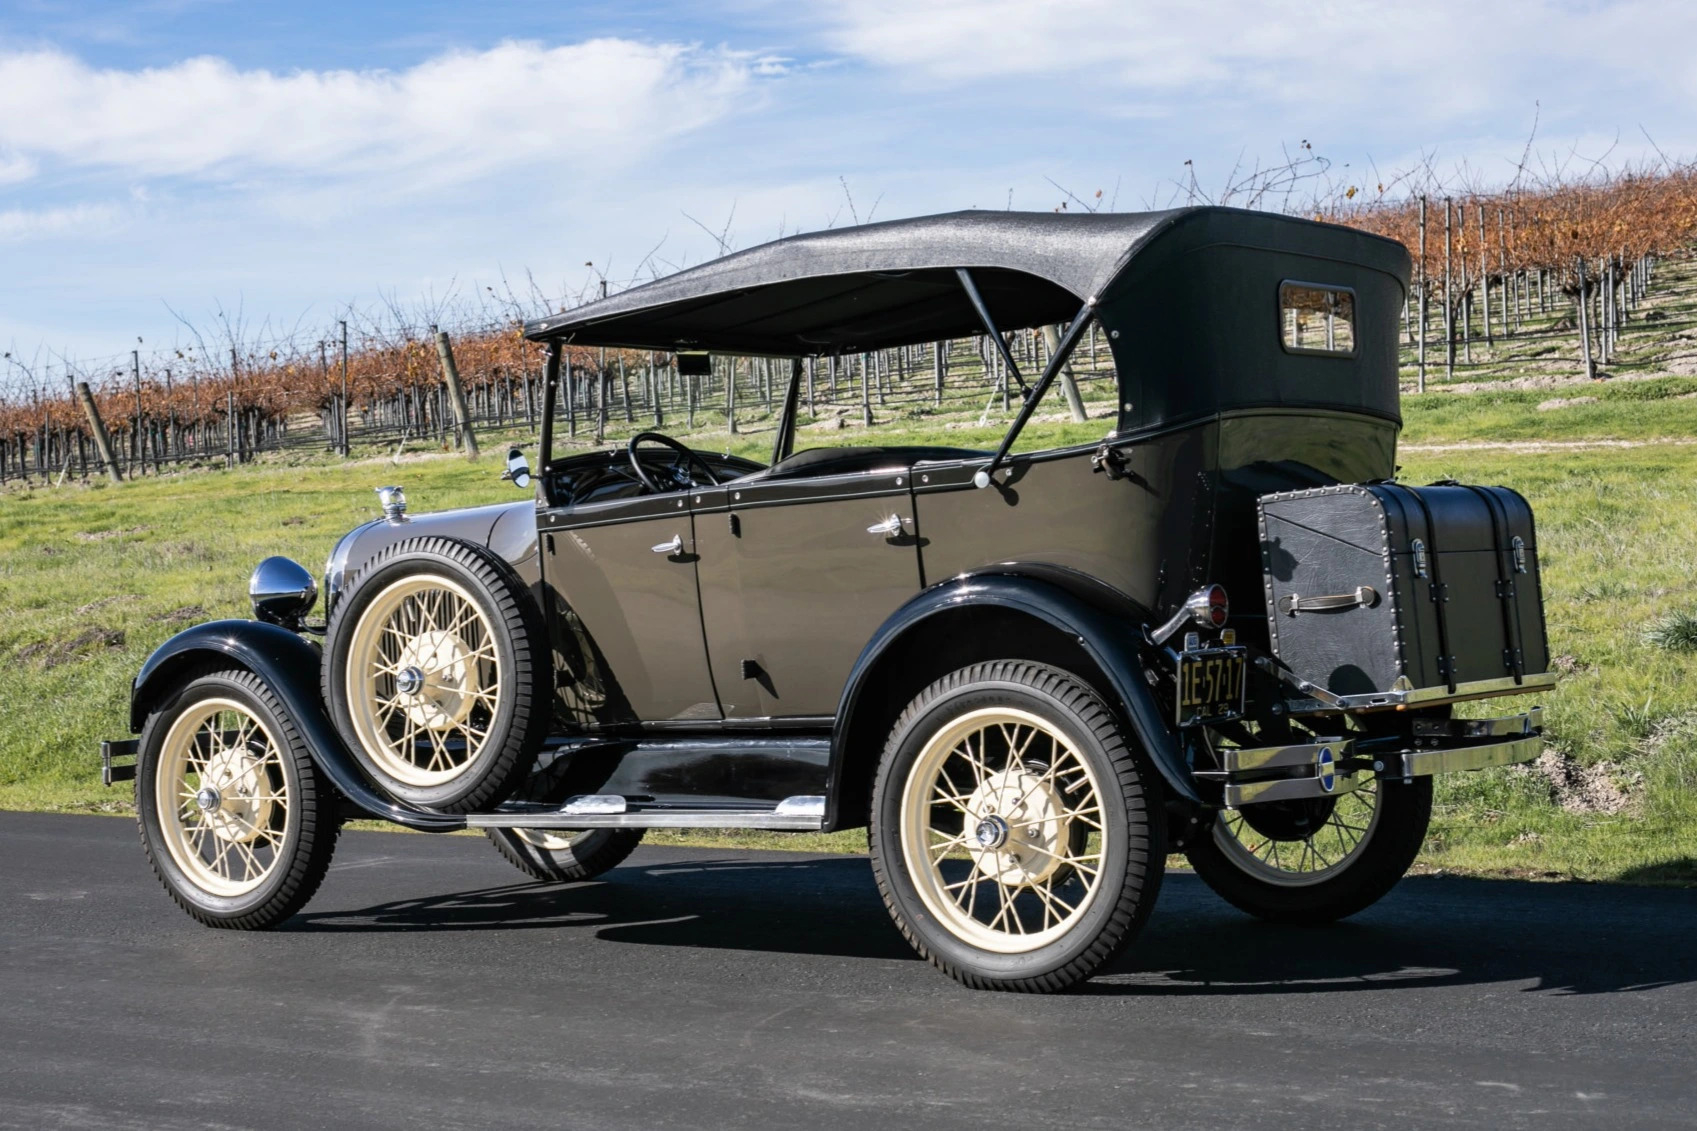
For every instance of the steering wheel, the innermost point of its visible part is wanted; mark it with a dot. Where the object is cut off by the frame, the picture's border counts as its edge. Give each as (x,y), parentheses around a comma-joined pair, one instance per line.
(681,480)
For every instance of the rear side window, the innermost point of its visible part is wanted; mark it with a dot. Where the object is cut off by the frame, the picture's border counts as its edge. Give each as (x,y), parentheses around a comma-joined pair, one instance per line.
(1317,319)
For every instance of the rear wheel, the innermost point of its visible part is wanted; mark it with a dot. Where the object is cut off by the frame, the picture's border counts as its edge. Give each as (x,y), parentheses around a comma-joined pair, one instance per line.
(232,813)
(564,856)
(1319,859)
(1014,833)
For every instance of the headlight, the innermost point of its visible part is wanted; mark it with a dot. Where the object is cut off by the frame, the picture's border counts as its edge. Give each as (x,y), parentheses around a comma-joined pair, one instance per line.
(282,592)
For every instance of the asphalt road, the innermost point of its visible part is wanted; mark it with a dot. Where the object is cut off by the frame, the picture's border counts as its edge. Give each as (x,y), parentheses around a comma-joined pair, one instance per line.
(427,987)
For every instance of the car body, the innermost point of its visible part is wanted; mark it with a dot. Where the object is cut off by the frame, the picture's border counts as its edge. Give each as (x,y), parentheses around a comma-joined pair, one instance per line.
(703,641)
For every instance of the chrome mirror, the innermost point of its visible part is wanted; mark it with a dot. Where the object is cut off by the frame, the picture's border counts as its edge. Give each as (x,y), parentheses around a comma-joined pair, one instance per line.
(282,592)
(518,469)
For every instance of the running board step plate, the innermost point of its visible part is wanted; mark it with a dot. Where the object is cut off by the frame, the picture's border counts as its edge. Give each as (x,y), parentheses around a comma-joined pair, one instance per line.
(793,814)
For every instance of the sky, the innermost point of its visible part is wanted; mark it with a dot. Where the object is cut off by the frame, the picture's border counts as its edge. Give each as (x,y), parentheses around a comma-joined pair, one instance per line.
(165,161)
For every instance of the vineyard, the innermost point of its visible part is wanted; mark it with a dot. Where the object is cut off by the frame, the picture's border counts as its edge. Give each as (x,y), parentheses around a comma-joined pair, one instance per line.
(1565,263)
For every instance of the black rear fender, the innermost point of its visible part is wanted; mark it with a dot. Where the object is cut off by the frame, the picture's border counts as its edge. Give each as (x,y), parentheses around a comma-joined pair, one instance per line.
(289,666)
(996,616)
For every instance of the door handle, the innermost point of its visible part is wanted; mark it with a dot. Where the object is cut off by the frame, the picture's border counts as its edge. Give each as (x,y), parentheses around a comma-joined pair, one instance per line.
(675,546)
(889,528)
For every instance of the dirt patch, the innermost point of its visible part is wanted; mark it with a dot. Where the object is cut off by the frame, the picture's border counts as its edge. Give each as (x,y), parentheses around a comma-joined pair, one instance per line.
(1564,402)
(1580,789)
(293,520)
(84,610)
(53,653)
(179,616)
(104,535)
(1681,365)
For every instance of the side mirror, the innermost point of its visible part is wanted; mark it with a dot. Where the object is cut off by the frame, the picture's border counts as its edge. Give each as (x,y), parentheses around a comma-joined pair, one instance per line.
(518,469)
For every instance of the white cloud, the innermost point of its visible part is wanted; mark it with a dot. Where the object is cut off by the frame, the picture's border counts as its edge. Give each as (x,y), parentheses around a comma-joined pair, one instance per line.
(1440,59)
(79,220)
(452,117)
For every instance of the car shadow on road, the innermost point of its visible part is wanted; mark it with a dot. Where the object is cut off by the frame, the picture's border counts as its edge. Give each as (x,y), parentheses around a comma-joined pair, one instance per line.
(1431,931)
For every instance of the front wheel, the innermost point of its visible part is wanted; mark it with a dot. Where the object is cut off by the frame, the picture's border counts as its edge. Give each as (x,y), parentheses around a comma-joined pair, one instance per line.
(1015,836)
(233,816)
(1318,859)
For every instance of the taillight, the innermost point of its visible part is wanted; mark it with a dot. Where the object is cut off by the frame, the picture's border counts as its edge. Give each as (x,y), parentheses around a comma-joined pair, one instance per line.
(1219,606)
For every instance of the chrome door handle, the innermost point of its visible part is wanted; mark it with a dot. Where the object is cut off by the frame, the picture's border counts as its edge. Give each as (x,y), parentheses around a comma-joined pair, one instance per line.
(675,546)
(889,528)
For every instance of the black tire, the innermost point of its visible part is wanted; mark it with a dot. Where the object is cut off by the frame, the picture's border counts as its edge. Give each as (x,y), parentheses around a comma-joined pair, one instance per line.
(512,730)
(300,834)
(561,856)
(1395,834)
(1128,853)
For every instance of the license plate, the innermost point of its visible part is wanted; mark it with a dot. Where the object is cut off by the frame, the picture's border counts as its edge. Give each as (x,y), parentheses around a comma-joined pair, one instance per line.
(1210,685)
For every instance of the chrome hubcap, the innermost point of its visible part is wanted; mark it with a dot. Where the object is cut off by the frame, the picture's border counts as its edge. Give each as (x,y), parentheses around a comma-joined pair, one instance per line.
(992,832)
(409,681)
(208,799)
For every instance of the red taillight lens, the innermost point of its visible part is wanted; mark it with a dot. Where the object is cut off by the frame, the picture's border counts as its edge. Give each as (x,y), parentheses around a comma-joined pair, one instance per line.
(1219,607)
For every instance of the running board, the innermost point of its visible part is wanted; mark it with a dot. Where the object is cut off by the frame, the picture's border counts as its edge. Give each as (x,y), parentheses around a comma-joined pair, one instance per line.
(601,811)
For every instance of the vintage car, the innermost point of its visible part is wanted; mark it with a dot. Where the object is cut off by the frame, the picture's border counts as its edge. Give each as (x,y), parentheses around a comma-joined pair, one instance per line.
(1020,670)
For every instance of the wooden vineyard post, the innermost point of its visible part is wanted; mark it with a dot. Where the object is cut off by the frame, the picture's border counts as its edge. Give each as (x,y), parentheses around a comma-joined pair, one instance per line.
(136,454)
(865,393)
(731,395)
(1069,383)
(345,406)
(937,368)
(1484,276)
(456,392)
(1584,322)
(1449,307)
(1424,298)
(97,428)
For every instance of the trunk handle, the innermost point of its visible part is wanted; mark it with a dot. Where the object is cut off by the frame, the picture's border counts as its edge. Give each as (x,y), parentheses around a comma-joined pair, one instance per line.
(1365,597)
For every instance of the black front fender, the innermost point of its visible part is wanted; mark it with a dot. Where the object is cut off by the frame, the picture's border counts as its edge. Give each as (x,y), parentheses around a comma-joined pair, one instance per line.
(1111,642)
(289,666)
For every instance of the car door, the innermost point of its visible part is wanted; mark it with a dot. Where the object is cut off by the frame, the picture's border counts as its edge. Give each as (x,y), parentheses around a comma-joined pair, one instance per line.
(625,571)
(796,575)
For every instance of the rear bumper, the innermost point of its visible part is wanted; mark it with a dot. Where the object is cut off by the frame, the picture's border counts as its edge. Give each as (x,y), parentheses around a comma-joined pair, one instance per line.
(1338,766)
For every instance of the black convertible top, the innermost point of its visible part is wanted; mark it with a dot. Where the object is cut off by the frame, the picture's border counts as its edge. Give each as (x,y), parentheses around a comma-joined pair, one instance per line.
(893,283)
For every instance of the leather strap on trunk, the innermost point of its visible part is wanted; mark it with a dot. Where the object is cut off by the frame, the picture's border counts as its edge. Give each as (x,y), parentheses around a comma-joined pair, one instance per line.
(1505,581)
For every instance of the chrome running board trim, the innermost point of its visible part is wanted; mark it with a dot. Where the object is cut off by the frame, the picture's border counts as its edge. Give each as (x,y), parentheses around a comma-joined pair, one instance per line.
(793,814)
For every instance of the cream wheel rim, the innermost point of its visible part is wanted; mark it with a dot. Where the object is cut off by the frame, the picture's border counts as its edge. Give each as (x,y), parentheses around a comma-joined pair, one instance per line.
(1002,830)
(222,797)
(424,680)
(1333,846)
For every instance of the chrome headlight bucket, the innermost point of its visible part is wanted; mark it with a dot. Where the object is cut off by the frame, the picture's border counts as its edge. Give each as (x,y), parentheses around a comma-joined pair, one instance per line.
(282,592)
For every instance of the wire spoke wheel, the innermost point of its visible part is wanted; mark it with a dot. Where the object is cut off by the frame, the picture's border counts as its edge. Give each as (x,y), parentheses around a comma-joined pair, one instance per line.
(427,679)
(223,798)
(1298,844)
(1001,823)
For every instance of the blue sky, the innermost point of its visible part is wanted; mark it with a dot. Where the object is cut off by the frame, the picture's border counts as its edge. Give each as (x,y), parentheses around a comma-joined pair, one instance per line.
(289,160)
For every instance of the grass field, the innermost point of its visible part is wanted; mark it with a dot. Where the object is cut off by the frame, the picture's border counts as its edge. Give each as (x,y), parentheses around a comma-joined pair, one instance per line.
(93,577)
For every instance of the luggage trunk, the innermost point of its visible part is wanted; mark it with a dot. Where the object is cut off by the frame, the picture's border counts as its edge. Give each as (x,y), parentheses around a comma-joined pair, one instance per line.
(1383,588)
